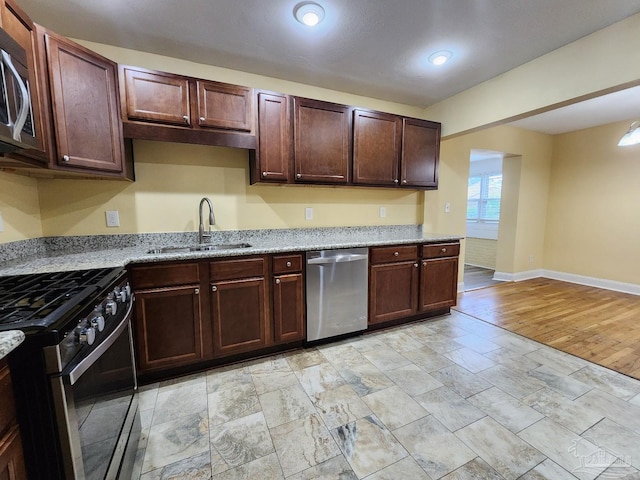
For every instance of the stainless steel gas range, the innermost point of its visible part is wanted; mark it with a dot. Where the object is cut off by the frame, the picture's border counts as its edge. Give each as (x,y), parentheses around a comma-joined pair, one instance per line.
(74,376)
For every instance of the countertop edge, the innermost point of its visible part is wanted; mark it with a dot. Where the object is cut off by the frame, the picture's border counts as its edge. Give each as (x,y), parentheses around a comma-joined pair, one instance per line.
(9,341)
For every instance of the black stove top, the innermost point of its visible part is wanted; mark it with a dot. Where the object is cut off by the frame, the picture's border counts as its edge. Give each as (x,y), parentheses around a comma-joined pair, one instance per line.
(38,301)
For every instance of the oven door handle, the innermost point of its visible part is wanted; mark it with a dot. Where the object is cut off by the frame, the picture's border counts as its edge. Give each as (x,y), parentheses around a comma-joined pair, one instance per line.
(74,375)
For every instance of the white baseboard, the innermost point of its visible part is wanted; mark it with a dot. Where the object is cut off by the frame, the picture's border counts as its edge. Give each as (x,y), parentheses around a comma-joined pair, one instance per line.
(460,287)
(519,276)
(631,288)
(623,287)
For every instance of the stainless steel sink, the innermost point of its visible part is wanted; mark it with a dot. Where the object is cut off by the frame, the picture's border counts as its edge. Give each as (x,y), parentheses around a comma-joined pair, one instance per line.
(197,248)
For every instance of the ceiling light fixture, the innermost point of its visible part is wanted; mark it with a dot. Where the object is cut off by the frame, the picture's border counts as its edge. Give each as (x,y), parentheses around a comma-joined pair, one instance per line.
(308,13)
(632,137)
(440,57)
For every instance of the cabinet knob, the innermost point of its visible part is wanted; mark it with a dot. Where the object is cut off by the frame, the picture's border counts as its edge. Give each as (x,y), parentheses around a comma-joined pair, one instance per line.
(277,281)
(443,250)
(186,119)
(264,174)
(395,181)
(424,264)
(404,182)
(214,288)
(298,175)
(202,119)
(288,264)
(197,291)
(66,158)
(415,265)
(395,254)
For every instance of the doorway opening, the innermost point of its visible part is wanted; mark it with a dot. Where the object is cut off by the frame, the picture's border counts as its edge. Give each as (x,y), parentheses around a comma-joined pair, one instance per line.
(484,195)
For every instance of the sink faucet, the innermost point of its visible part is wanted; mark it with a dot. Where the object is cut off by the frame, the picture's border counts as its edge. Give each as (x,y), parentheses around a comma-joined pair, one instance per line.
(212,221)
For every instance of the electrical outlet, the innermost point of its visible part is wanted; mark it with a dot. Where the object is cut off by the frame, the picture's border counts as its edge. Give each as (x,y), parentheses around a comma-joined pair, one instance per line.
(308,213)
(447,207)
(383,212)
(1,224)
(113,218)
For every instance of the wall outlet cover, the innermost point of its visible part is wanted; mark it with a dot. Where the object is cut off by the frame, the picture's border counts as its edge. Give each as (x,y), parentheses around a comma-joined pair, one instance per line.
(308,213)
(113,218)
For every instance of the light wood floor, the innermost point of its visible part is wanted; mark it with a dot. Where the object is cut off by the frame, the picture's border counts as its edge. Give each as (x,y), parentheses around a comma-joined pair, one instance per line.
(595,324)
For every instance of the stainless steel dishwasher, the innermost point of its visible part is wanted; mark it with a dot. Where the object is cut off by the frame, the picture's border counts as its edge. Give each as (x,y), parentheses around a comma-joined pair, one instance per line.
(337,286)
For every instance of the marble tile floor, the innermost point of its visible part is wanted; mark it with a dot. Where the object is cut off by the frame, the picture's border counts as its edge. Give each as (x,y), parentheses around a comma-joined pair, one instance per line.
(451,397)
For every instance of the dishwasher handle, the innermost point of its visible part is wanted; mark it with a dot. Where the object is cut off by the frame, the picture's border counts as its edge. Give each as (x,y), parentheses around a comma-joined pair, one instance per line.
(354,257)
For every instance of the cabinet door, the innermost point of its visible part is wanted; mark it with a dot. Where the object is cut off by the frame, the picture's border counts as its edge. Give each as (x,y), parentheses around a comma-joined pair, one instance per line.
(168,327)
(321,141)
(156,97)
(239,313)
(229,107)
(288,308)
(12,465)
(273,159)
(438,283)
(420,153)
(393,291)
(18,25)
(85,107)
(376,147)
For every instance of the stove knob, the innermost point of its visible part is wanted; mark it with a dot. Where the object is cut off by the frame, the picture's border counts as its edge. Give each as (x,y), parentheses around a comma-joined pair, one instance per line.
(122,296)
(127,288)
(97,322)
(111,307)
(87,336)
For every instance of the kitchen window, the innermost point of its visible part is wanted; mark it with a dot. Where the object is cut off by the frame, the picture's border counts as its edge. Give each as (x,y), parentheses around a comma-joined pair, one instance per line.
(483,198)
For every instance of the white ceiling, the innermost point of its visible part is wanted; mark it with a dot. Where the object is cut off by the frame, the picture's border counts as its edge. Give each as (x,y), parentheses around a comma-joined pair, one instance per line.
(375,48)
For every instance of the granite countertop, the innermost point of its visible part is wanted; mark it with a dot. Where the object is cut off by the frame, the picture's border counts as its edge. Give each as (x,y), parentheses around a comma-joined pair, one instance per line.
(55,254)
(9,341)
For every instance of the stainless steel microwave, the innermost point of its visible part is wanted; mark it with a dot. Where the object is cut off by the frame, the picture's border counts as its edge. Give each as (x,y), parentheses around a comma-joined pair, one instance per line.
(17,129)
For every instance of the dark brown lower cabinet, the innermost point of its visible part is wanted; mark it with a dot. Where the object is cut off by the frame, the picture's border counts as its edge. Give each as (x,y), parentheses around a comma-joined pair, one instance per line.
(393,291)
(288,308)
(168,327)
(12,465)
(239,314)
(439,284)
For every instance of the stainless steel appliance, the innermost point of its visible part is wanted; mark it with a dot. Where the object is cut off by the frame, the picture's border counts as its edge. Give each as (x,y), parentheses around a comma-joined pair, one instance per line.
(74,376)
(337,283)
(16,117)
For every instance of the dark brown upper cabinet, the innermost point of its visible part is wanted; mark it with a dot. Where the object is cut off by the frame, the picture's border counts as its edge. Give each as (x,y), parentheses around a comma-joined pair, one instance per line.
(174,108)
(322,142)
(86,115)
(272,161)
(420,153)
(377,141)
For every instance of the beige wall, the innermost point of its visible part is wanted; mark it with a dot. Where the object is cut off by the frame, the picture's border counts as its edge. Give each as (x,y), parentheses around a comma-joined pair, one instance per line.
(171,179)
(481,252)
(588,67)
(526,173)
(593,219)
(19,208)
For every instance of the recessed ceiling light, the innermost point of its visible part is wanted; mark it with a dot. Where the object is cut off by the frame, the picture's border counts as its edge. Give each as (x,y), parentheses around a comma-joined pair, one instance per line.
(308,13)
(440,57)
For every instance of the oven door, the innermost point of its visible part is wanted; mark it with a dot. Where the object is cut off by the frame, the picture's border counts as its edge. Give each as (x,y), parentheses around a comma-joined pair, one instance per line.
(97,408)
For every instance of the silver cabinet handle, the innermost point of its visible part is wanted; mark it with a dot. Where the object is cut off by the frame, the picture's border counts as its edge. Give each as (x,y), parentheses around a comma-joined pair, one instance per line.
(277,281)
(288,264)
(395,254)
(66,158)
(197,291)
(214,288)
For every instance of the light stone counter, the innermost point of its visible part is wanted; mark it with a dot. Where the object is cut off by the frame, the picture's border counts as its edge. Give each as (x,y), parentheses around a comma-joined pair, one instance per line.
(9,341)
(54,254)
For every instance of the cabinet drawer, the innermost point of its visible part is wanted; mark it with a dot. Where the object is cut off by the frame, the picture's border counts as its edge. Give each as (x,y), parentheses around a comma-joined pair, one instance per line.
(287,264)
(441,250)
(238,268)
(7,405)
(394,254)
(165,275)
